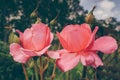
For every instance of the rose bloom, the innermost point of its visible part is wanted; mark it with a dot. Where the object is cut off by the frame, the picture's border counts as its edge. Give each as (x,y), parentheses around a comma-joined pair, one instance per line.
(80,45)
(34,41)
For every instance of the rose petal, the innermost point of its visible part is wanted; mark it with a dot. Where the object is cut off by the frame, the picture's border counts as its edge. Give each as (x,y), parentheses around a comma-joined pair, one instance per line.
(40,33)
(91,59)
(17,54)
(87,60)
(14,48)
(53,54)
(105,44)
(62,41)
(39,53)
(75,37)
(48,37)
(92,38)
(67,61)
(21,57)
(27,39)
(98,62)
(28,52)
(87,27)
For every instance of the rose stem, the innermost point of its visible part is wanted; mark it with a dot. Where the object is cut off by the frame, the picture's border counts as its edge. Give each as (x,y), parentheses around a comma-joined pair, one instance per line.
(41,69)
(36,71)
(25,72)
(53,73)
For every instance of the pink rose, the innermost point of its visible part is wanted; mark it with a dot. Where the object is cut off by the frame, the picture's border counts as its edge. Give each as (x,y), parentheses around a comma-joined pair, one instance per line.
(80,45)
(33,42)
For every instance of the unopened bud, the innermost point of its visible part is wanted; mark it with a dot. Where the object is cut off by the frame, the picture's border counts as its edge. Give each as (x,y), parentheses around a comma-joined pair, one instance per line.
(38,20)
(54,21)
(33,14)
(90,17)
(13,38)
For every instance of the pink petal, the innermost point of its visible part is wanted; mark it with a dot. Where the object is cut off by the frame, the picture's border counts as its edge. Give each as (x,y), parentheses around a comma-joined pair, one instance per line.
(87,27)
(17,54)
(14,48)
(105,44)
(27,39)
(77,39)
(39,53)
(41,36)
(28,52)
(40,25)
(98,62)
(67,61)
(92,38)
(87,60)
(62,41)
(38,41)
(75,36)
(49,38)
(53,54)
(91,59)
(21,57)
(62,51)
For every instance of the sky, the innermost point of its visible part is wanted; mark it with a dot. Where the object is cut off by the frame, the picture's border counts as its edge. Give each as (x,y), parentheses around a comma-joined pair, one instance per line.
(104,9)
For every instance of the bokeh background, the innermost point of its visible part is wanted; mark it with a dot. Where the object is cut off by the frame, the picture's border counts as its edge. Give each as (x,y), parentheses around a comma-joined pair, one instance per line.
(16,13)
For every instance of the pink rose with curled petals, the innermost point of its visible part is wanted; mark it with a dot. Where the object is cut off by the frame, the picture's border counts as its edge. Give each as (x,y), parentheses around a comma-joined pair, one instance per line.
(80,45)
(34,41)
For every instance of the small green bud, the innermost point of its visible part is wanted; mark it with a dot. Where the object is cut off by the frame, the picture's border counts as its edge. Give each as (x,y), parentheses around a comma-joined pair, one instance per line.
(13,38)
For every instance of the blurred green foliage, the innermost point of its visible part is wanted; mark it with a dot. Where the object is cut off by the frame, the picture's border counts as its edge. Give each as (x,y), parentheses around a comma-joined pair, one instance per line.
(16,13)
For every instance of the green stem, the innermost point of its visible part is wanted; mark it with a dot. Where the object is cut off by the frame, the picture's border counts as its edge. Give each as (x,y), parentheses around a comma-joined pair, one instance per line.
(53,73)
(67,76)
(36,72)
(25,72)
(41,69)
(54,68)
(41,77)
(46,63)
